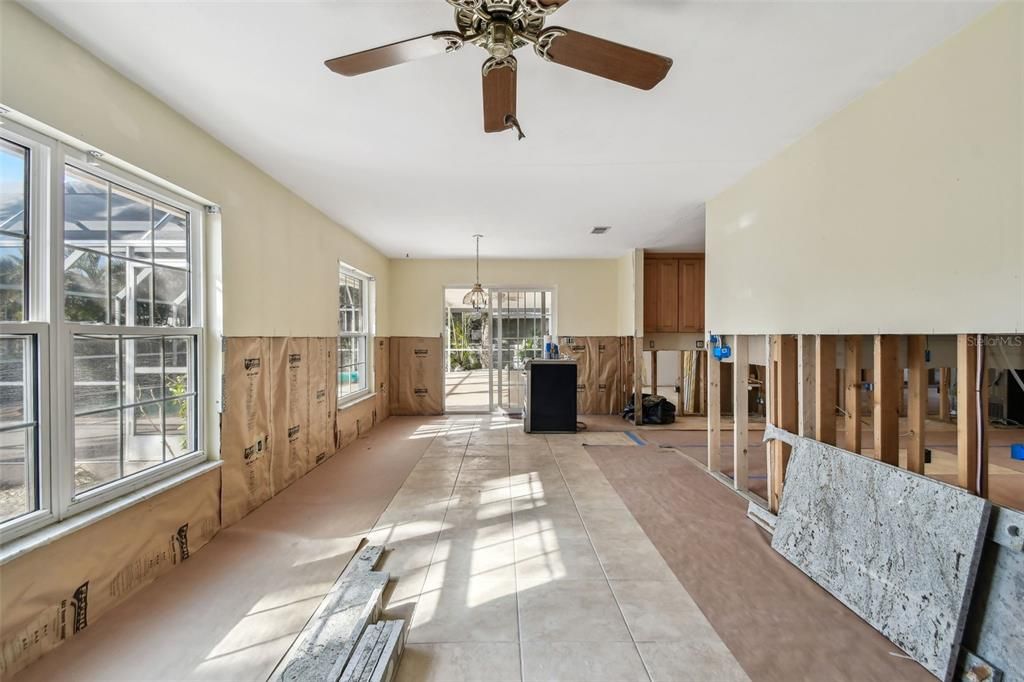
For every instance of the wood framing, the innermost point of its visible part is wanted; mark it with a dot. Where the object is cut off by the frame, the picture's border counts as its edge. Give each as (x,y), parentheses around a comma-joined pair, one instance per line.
(888,384)
(638,380)
(825,389)
(702,394)
(805,385)
(972,445)
(851,383)
(740,438)
(714,414)
(654,372)
(785,403)
(945,379)
(917,402)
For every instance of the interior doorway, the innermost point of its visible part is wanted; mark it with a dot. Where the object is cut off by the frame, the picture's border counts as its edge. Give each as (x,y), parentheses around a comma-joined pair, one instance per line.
(486,350)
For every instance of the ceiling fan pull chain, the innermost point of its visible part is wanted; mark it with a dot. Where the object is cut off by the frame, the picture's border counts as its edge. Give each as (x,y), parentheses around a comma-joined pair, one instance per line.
(512,122)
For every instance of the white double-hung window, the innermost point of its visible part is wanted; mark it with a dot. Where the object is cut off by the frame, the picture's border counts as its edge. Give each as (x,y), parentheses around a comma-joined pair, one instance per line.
(355,331)
(100,332)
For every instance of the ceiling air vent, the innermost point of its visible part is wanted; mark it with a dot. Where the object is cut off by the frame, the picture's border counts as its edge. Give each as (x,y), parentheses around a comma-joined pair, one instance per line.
(600,229)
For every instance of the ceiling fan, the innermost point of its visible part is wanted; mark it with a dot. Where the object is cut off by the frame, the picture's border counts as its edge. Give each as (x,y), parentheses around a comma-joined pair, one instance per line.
(501,27)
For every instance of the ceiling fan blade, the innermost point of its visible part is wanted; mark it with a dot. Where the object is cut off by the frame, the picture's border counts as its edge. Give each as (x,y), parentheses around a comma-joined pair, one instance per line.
(602,57)
(403,51)
(499,76)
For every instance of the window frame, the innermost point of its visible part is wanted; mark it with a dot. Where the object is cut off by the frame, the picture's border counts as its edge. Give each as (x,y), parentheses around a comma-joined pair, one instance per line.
(55,335)
(368,305)
(35,323)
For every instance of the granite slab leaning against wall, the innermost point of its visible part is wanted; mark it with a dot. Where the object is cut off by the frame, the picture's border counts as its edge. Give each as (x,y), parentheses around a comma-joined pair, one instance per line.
(898,549)
(995,628)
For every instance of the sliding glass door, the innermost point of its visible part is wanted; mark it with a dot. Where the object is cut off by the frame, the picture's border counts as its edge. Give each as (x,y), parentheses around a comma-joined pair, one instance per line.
(486,350)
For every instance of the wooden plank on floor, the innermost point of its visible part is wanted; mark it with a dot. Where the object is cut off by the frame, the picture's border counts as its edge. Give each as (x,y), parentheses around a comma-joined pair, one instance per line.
(825,389)
(888,383)
(785,361)
(917,402)
(740,393)
(805,385)
(851,383)
(714,403)
(972,448)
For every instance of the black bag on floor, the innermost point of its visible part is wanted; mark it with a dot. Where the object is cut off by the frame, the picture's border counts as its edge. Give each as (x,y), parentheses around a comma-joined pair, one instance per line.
(657,410)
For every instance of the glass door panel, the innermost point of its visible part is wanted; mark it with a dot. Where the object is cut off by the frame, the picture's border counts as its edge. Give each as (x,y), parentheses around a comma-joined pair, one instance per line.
(519,319)
(468,354)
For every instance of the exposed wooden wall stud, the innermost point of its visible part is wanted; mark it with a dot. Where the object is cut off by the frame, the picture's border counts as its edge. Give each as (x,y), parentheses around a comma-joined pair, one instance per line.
(638,380)
(714,413)
(825,389)
(917,402)
(740,438)
(888,383)
(945,379)
(972,445)
(851,382)
(786,404)
(654,372)
(805,385)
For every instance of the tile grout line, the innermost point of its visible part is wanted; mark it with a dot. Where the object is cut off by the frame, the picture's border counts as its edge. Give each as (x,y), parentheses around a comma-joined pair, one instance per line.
(515,563)
(444,517)
(604,571)
(437,537)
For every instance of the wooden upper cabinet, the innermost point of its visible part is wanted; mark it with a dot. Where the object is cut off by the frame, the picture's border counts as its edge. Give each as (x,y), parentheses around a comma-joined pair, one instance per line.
(691,295)
(674,293)
(650,296)
(667,315)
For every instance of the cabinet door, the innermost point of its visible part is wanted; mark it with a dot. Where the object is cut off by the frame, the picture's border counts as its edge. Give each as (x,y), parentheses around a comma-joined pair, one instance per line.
(691,295)
(668,295)
(650,296)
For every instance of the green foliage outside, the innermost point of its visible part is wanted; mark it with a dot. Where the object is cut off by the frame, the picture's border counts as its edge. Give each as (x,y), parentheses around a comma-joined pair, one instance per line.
(463,360)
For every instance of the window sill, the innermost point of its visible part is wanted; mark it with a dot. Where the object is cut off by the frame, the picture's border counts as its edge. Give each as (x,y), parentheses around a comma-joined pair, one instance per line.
(55,531)
(356,399)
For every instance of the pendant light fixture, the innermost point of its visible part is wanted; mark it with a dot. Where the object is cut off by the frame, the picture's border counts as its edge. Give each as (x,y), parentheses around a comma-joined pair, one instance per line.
(476,297)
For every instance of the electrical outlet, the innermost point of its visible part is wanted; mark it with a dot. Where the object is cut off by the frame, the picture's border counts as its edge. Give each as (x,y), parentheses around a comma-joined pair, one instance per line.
(652,344)
(700,345)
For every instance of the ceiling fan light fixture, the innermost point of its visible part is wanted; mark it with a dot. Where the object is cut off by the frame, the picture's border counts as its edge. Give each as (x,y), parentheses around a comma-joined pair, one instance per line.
(476,297)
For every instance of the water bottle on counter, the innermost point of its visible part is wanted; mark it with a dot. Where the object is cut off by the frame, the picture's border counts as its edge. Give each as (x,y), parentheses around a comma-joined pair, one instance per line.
(547,346)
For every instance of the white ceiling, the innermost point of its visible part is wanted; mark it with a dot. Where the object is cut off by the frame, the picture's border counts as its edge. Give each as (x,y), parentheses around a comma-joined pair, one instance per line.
(400,156)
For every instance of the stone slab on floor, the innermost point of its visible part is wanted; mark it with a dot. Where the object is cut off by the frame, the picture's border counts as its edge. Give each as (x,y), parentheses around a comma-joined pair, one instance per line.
(898,549)
(376,656)
(324,646)
(994,629)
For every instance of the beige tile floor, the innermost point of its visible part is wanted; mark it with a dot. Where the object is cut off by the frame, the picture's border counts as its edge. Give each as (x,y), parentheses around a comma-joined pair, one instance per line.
(515,559)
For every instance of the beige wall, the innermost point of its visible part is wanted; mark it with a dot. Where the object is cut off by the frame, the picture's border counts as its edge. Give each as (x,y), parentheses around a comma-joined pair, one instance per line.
(627,294)
(279,253)
(587,291)
(902,213)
